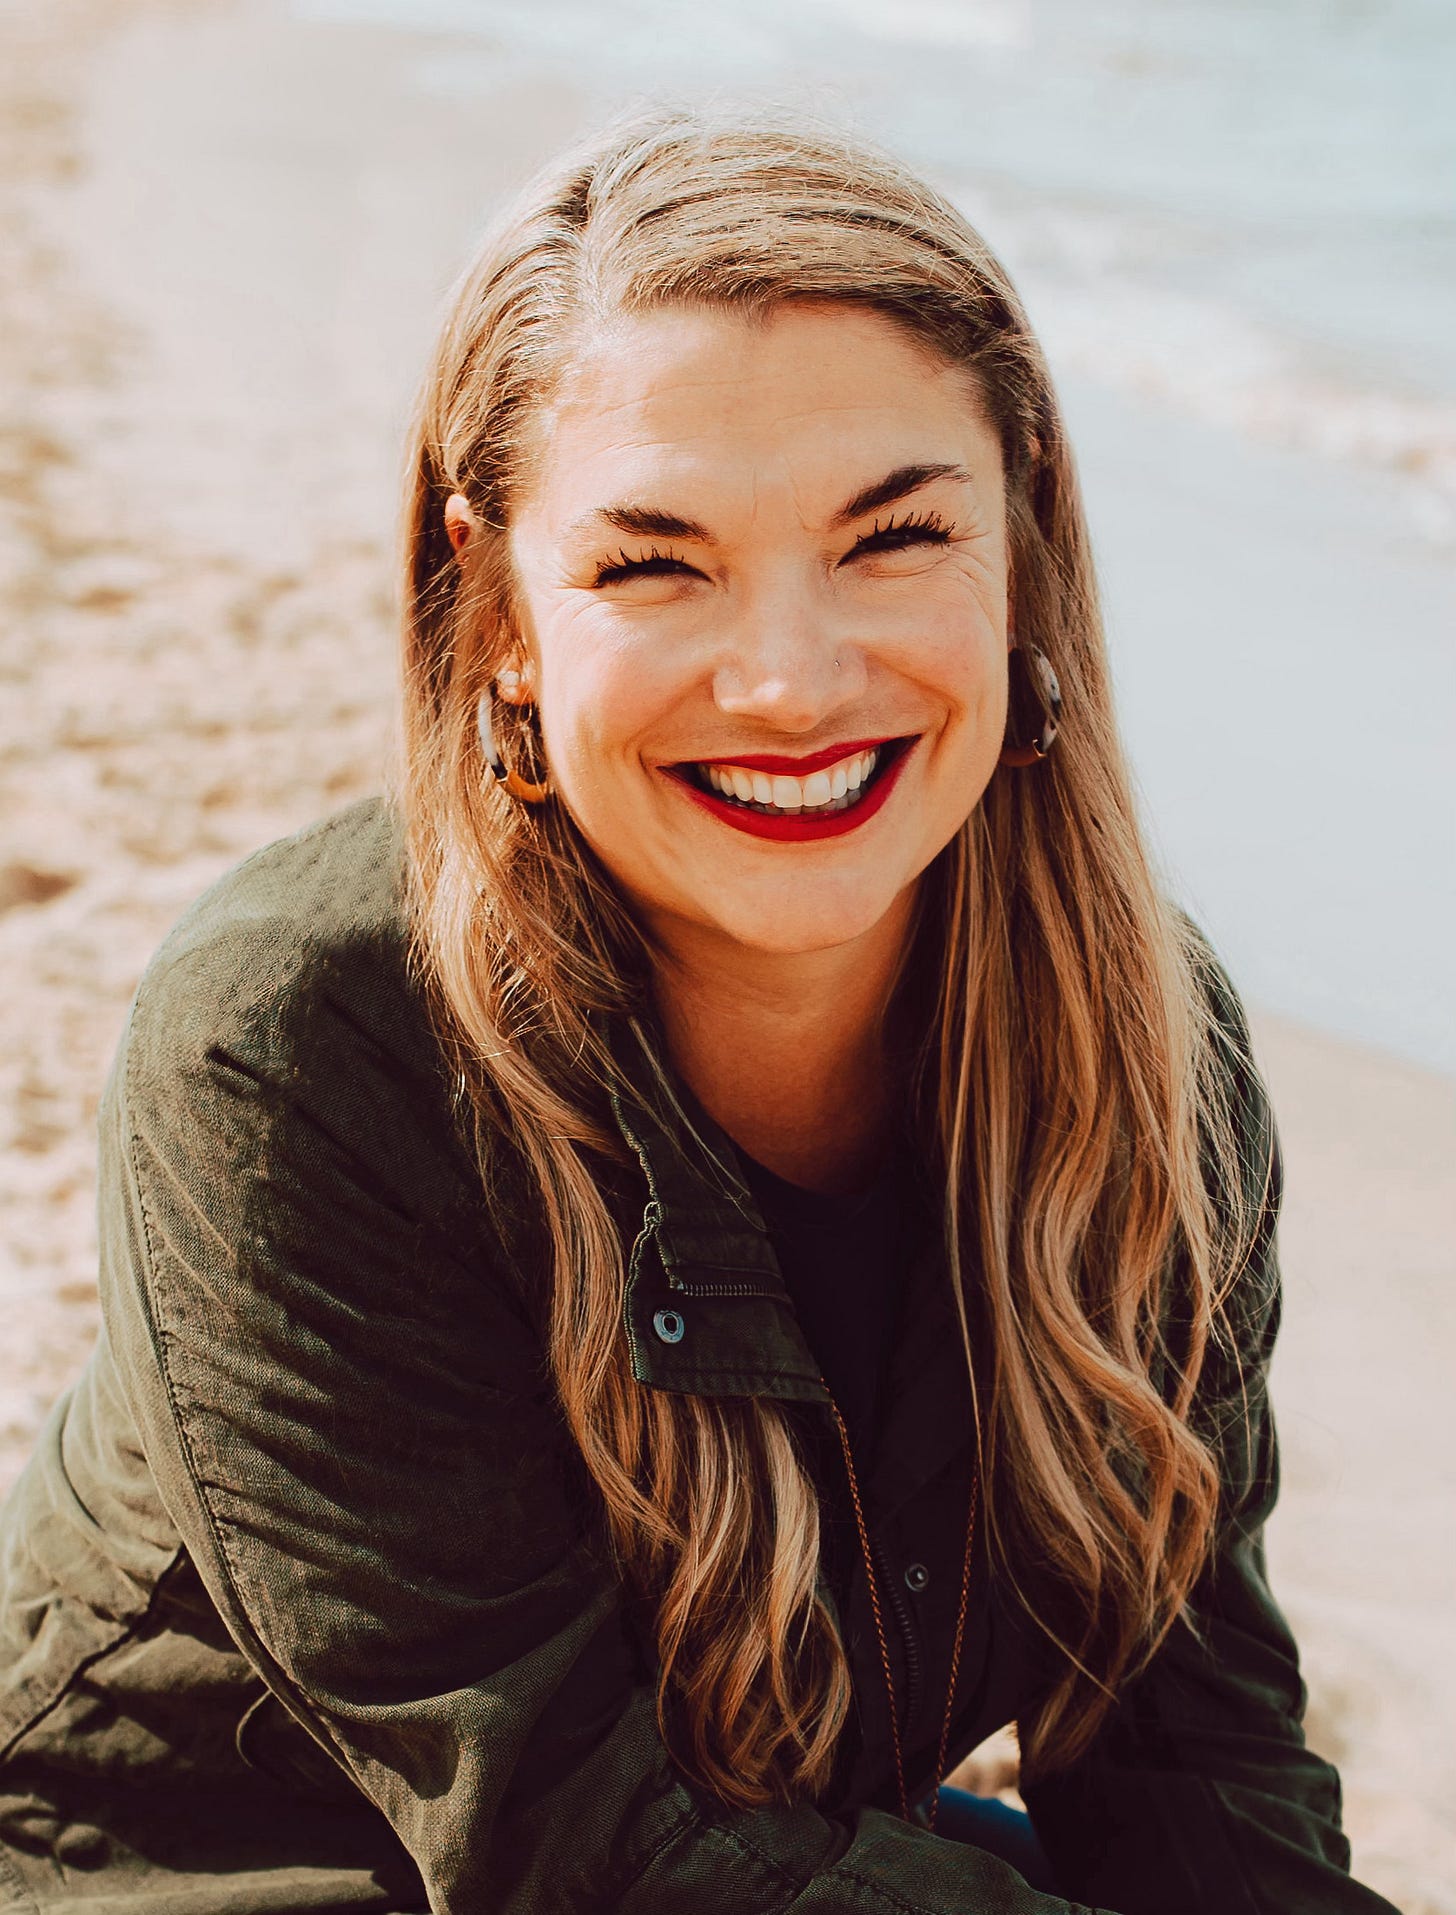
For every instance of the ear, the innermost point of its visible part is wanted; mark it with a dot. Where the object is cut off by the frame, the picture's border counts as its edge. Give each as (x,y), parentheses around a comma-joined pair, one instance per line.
(461,523)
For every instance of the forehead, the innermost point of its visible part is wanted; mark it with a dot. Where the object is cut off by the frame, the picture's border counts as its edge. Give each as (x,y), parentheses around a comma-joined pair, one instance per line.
(816,397)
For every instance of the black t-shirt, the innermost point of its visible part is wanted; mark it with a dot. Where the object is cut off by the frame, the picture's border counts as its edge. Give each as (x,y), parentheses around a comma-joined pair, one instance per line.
(843,1260)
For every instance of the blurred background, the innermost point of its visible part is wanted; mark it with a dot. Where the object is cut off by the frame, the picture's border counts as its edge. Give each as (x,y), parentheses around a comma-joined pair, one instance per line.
(226,228)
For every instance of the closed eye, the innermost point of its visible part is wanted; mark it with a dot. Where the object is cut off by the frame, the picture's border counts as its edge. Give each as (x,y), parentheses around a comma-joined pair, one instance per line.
(654,564)
(924,528)
(900,535)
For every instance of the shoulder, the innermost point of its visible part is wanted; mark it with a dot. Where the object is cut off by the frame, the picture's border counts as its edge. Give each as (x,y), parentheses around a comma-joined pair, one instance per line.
(1236,1096)
(302,943)
(1243,1172)
(280,1098)
(281,1020)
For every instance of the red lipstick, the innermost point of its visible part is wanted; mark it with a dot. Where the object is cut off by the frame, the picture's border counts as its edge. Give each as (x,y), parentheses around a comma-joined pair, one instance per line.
(804,826)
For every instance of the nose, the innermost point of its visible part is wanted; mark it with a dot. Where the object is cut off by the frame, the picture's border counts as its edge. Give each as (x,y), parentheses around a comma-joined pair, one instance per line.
(788,662)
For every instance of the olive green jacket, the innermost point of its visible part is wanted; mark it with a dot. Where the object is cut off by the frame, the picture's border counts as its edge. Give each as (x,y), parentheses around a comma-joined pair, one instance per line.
(305,1600)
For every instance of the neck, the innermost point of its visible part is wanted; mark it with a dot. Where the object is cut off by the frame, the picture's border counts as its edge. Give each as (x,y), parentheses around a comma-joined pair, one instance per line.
(789,1053)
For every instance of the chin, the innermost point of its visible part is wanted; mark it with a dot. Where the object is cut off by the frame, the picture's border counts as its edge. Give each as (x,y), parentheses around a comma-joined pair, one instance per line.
(798,927)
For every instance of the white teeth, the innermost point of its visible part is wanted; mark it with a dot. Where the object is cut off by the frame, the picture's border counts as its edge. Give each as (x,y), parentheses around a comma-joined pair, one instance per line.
(836,785)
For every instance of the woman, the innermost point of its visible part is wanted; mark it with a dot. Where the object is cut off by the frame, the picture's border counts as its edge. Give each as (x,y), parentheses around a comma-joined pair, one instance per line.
(662,1286)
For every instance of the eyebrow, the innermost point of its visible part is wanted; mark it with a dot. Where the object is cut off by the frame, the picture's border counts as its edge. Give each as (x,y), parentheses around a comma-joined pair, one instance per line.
(895,486)
(648,522)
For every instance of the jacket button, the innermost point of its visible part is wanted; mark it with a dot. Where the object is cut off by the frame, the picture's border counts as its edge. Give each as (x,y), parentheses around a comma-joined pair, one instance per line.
(916,1577)
(669,1326)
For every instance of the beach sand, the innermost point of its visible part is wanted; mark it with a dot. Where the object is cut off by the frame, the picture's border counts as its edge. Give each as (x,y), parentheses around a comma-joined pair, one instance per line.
(196,478)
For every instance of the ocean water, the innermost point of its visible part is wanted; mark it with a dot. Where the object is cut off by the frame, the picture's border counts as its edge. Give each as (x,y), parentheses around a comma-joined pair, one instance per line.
(1243,209)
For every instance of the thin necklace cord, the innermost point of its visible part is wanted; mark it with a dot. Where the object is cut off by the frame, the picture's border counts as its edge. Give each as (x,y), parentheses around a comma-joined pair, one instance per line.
(874,1593)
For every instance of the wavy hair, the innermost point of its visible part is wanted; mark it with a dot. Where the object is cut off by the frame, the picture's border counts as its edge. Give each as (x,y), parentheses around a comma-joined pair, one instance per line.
(1070,1088)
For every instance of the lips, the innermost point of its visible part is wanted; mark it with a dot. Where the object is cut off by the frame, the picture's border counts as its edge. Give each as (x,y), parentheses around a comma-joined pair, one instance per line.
(824,794)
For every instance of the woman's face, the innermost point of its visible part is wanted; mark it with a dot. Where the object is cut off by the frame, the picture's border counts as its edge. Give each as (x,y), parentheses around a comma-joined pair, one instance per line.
(762,583)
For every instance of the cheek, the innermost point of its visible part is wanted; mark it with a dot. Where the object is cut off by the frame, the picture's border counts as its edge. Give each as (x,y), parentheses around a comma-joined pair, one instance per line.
(603,688)
(954,644)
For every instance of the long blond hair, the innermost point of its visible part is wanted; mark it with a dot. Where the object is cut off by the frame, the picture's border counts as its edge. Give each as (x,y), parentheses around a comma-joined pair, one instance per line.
(1070,1087)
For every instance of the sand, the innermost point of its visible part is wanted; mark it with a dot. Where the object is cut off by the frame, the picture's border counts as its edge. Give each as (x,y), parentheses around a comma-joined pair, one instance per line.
(196,470)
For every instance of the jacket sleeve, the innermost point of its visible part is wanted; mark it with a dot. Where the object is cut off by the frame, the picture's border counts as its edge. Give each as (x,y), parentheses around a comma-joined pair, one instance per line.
(1199,1794)
(344,1401)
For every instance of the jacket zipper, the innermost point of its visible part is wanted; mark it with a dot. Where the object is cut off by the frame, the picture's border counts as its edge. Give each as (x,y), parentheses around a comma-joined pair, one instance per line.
(720,1289)
(906,1624)
(651,1220)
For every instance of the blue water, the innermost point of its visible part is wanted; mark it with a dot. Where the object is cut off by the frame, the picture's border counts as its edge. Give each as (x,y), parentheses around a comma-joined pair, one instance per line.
(1236,219)
(1277,178)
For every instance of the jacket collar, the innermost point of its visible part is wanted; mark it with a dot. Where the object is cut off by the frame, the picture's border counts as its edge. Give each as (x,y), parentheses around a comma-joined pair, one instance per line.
(707,1310)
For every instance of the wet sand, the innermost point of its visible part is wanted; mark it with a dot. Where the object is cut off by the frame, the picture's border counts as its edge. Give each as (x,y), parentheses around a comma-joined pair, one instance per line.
(196,474)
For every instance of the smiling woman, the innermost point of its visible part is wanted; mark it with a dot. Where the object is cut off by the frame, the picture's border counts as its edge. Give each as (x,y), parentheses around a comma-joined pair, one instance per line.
(669,1279)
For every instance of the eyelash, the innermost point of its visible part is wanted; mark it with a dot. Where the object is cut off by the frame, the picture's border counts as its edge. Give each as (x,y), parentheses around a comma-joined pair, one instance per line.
(613,571)
(916,528)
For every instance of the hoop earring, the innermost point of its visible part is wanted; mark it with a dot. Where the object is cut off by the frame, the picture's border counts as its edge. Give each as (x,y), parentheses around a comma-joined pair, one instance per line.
(1034,705)
(515,784)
